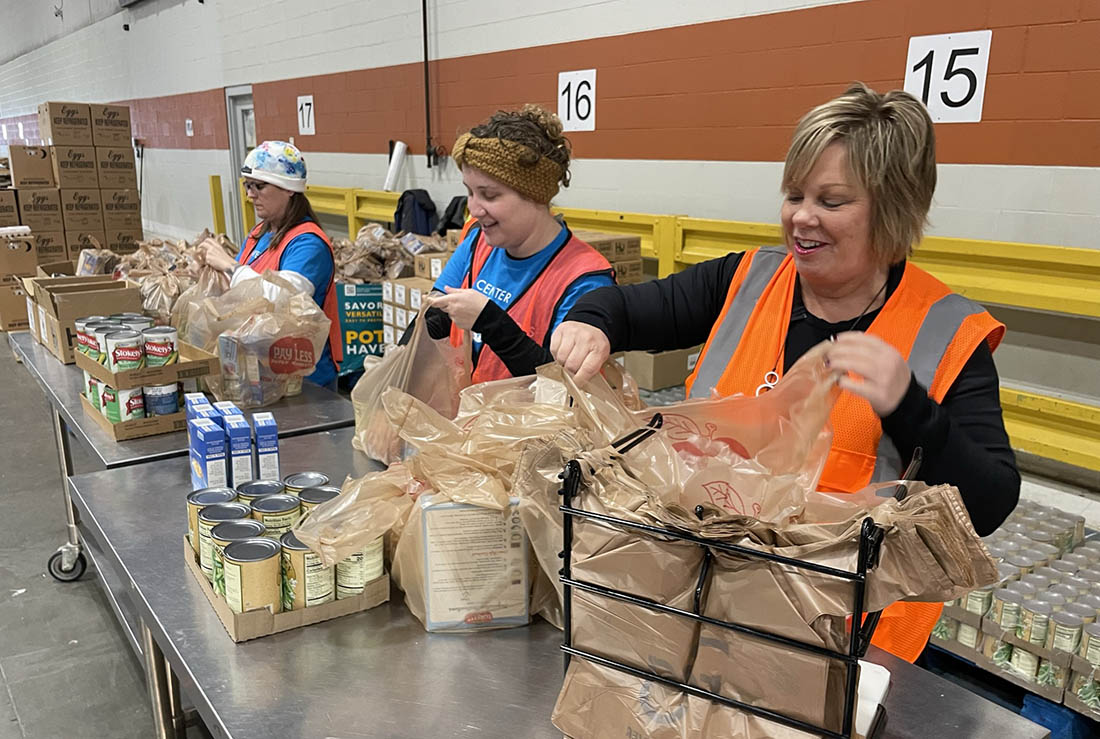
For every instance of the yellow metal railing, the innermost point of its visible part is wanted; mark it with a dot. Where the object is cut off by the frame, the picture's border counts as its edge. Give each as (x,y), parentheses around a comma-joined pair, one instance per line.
(217,206)
(1051,278)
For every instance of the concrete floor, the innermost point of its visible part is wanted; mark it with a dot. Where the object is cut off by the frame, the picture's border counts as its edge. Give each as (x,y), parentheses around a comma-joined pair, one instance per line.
(65,668)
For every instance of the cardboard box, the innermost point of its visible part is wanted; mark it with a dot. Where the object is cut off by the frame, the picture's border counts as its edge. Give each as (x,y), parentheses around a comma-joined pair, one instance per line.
(658,370)
(81,210)
(388,314)
(193,362)
(111,125)
(261,622)
(387,291)
(61,300)
(266,441)
(116,167)
(75,241)
(65,124)
(207,453)
(401,319)
(430,265)
(56,269)
(415,290)
(138,428)
(40,210)
(360,313)
(389,336)
(123,240)
(31,167)
(74,167)
(963,616)
(400,296)
(50,246)
(9,208)
(614,247)
(18,258)
(629,272)
(121,210)
(239,447)
(1081,666)
(13,308)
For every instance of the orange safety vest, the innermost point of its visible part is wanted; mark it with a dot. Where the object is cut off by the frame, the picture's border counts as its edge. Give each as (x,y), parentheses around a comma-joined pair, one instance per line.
(270,260)
(534,308)
(934,329)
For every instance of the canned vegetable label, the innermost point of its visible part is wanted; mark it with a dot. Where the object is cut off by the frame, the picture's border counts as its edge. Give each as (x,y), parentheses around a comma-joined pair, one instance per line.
(353,574)
(222,536)
(161,346)
(124,351)
(124,405)
(209,517)
(253,575)
(306,580)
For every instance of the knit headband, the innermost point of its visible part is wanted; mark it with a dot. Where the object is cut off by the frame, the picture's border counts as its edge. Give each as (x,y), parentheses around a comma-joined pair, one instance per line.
(518,166)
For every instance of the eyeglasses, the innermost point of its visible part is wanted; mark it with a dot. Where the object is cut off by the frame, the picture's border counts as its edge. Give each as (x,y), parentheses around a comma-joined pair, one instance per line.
(251,186)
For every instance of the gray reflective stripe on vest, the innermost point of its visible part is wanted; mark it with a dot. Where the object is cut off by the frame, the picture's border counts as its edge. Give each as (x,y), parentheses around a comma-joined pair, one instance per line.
(940,325)
(720,351)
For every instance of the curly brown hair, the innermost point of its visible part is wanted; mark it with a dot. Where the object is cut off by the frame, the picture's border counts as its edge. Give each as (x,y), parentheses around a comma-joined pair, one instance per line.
(536,128)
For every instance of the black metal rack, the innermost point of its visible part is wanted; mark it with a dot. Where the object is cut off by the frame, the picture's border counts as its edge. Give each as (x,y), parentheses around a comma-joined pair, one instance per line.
(870,541)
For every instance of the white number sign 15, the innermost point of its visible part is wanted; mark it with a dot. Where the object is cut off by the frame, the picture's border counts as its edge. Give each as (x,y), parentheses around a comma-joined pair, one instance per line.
(305,116)
(948,73)
(577,100)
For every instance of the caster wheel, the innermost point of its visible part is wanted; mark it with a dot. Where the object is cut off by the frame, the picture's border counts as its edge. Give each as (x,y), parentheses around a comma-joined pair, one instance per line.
(54,566)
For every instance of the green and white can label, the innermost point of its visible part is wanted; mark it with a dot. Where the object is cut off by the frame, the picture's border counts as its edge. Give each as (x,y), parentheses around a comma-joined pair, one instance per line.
(124,351)
(161,346)
(123,405)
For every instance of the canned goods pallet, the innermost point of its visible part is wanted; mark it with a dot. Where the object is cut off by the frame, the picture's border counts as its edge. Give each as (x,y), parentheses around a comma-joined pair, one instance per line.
(253,575)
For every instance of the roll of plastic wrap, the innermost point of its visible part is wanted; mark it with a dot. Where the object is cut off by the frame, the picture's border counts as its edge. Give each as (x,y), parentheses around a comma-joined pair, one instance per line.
(400,149)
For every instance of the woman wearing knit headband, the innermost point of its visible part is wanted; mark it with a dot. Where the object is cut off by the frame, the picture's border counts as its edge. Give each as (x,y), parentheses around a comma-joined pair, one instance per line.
(518,271)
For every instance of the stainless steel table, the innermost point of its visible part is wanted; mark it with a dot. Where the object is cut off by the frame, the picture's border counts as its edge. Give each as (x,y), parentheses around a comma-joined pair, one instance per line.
(316,409)
(377,673)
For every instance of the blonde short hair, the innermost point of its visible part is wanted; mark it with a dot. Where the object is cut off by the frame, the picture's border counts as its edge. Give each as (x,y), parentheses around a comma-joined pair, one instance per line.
(891,148)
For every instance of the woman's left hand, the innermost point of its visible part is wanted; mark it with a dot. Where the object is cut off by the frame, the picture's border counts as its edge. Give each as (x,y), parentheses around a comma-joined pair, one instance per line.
(214,255)
(463,306)
(877,372)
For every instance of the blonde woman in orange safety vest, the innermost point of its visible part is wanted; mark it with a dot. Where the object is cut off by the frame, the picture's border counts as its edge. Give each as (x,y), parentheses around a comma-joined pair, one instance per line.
(518,270)
(915,358)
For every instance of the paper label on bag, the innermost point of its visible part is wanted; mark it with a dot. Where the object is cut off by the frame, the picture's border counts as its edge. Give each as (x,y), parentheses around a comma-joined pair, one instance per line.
(475,566)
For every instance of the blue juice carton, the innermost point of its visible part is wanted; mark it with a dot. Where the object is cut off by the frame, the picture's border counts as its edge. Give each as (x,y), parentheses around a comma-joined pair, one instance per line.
(227,408)
(238,442)
(207,453)
(191,400)
(267,446)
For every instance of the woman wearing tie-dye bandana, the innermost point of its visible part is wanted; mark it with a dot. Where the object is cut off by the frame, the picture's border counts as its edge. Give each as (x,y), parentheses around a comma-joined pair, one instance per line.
(288,238)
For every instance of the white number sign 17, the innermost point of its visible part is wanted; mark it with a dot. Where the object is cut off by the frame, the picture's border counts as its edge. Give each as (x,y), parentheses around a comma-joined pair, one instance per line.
(948,73)
(305,116)
(577,100)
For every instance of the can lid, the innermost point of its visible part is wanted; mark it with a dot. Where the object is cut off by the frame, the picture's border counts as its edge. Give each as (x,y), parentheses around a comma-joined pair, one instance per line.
(236,530)
(126,334)
(103,326)
(91,319)
(251,550)
(319,494)
(1093,630)
(1066,617)
(1007,571)
(290,541)
(225,512)
(210,496)
(306,480)
(1009,596)
(1023,588)
(1063,566)
(1091,600)
(276,503)
(256,488)
(158,330)
(1039,606)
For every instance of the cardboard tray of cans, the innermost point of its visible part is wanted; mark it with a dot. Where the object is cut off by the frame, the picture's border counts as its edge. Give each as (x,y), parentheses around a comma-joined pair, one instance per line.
(1082,667)
(193,362)
(137,428)
(977,657)
(261,622)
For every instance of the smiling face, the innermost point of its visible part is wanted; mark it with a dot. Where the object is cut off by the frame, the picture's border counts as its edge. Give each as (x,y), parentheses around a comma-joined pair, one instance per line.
(827,223)
(269,201)
(506,218)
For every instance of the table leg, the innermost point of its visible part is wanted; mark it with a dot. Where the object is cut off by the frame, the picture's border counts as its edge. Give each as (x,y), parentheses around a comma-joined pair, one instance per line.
(175,705)
(156,680)
(67,563)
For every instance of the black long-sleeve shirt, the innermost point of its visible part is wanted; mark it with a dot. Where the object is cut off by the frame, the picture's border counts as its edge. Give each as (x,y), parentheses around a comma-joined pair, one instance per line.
(963,439)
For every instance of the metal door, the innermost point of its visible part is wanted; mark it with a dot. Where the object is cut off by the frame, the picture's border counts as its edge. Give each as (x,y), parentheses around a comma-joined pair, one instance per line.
(242,139)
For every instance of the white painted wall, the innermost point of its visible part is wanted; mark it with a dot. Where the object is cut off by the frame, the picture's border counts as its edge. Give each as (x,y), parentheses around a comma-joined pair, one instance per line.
(176,201)
(38,21)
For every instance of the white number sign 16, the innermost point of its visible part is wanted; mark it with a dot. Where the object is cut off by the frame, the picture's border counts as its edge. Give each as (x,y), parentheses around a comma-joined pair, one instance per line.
(948,73)
(577,100)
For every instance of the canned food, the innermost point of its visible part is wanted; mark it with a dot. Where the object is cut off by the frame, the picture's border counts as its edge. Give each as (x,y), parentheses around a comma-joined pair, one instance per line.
(1034,622)
(253,576)
(1023,563)
(1050,674)
(125,351)
(93,389)
(1090,644)
(313,497)
(1049,551)
(997,651)
(80,325)
(978,601)
(360,568)
(1083,611)
(137,324)
(307,581)
(1025,664)
(1064,567)
(1090,549)
(946,628)
(1090,573)
(125,314)
(1091,600)
(997,551)
(209,517)
(162,400)
(1016,527)
(253,489)
(161,346)
(1066,591)
(1080,584)
(299,481)
(1087,690)
(122,405)
(277,512)
(1056,601)
(100,331)
(198,500)
(1050,573)
(1082,562)
(1025,589)
(1037,581)
(1065,630)
(1006,572)
(1038,557)
(1040,536)
(967,636)
(222,536)
(1006,608)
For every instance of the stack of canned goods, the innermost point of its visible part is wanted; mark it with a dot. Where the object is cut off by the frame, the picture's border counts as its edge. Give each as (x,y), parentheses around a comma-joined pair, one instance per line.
(128,341)
(243,541)
(1048,594)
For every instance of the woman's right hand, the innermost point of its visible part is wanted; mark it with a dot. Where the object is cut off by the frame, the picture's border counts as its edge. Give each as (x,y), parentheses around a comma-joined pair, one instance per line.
(580,348)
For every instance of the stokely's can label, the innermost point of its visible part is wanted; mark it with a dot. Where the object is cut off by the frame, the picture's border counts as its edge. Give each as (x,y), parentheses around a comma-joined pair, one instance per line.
(92,390)
(124,405)
(124,351)
(98,335)
(160,346)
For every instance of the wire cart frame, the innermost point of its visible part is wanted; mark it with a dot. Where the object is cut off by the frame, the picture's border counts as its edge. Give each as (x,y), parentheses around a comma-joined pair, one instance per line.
(859,638)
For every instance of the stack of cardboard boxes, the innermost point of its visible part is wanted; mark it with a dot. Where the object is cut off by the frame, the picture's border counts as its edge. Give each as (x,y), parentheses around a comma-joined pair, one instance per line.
(401,301)
(18,259)
(624,253)
(81,185)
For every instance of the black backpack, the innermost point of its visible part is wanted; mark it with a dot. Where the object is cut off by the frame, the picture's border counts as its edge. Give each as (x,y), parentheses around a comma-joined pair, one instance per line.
(415,213)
